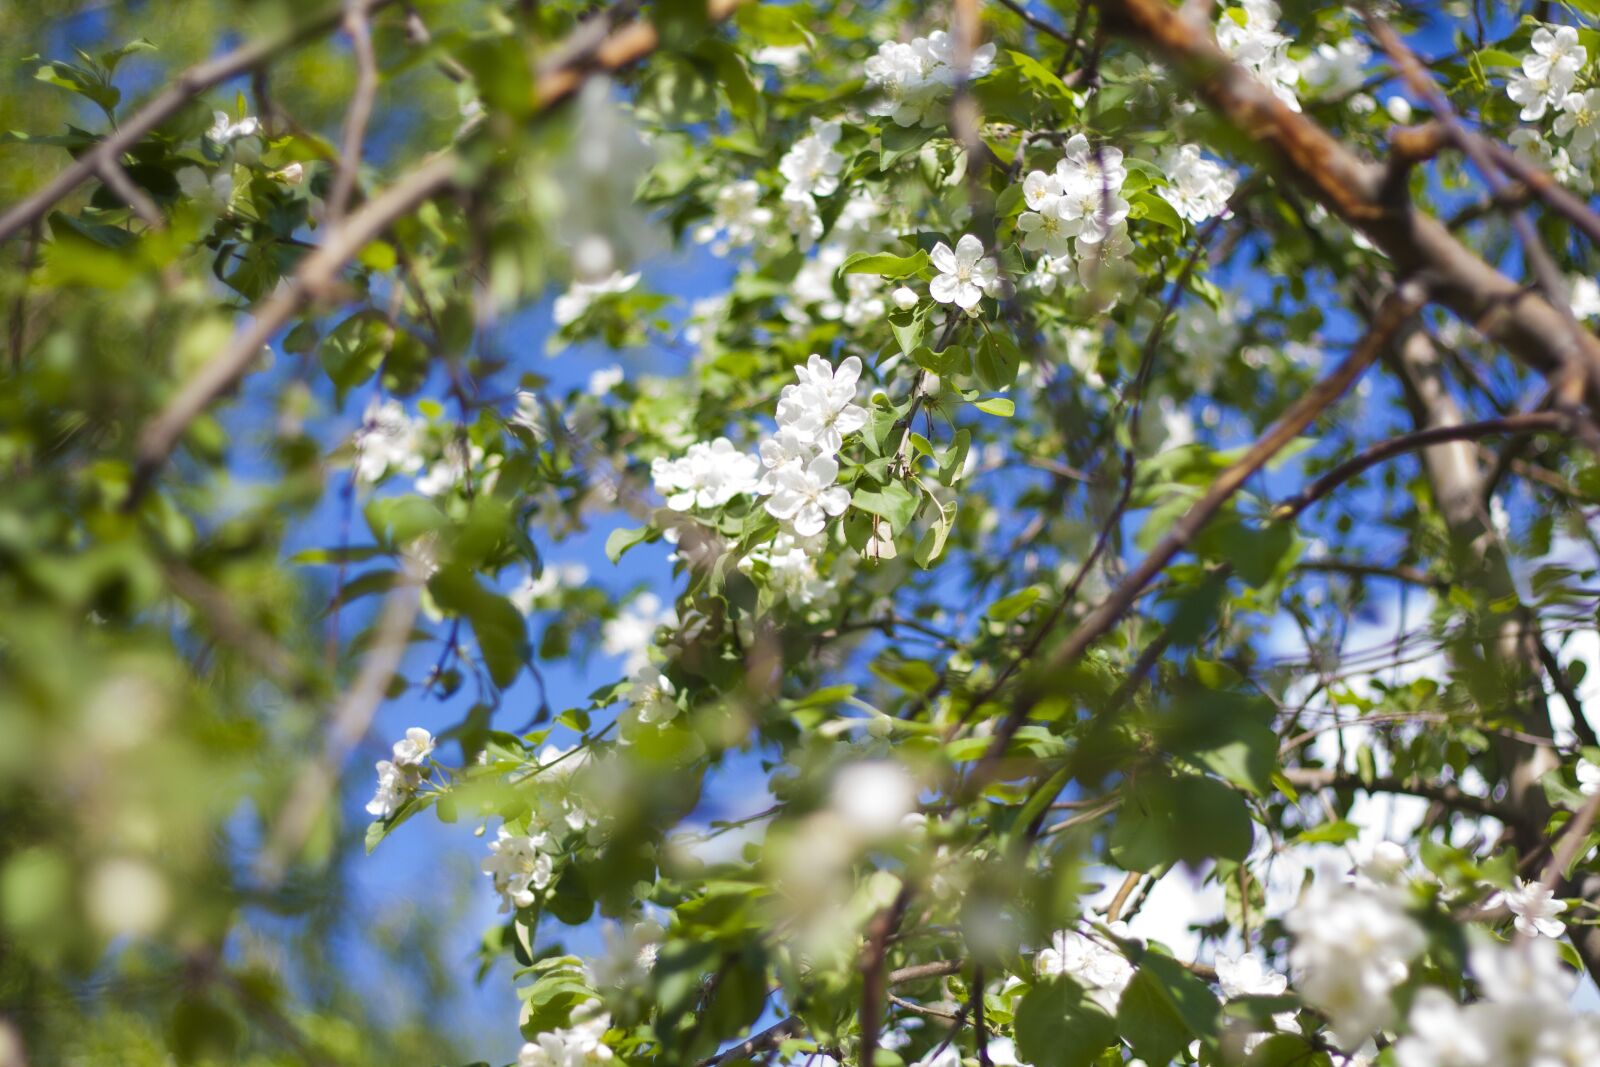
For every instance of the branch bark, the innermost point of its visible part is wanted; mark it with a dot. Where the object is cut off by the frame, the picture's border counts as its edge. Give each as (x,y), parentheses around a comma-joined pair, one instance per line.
(188,86)
(1420,245)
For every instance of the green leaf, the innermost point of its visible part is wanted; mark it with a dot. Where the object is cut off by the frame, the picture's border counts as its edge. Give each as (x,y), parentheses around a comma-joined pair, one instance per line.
(1147,205)
(885,264)
(1009,607)
(997,361)
(501,630)
(996,405)
(946,362)
(619,541)
(1166,818)
(1228,733)
(900,141)
(894,503)
(1057,1026)
(907,326)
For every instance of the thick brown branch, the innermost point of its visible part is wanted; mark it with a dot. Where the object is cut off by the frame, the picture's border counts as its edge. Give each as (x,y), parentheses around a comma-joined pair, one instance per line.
(1524,322)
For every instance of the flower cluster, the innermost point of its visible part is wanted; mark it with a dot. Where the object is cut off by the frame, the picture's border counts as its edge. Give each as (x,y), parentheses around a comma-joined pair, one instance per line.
(570,305)
(737,218)
(814,416)
(1197,188)
(521,865)
(580,1045)
(1246,975)
(1102,971)
(387,441)
(1080,202)
(1336,70)
(1547,76)
(811,169)
(707,476)
(1523,1018)
(1353,945)
(1249,33)
(916,78)
(399,776)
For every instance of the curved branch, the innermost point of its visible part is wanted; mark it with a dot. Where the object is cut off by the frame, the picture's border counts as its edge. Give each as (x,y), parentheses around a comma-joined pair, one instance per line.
(1535,422)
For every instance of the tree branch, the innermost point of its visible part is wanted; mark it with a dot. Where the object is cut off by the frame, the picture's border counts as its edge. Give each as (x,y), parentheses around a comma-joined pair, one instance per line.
(1396,309)
(189,85)
(358,28)
(319,270)
(1541,421)
(1419,244)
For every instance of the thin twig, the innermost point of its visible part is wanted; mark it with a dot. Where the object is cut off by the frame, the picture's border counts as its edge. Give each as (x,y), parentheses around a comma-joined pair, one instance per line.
(358,27)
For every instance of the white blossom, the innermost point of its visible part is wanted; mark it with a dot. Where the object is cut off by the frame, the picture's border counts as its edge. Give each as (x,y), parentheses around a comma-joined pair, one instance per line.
(821,407)
(387,441)
(651,696)
(800,215)
(225,131)
(1352,948)
(633,631)
(785,58)
(452,469)
(580,1045)
(806,496)
(571,305)
(554,576)
(915,79)
(1588,777)
(1556,53)
(811,166)
(602,381)
(415,747)
(1335,70)
(214,191)
(395,784)
(1102,971)
(707,476)
(1579,121)
(1535,906)
(1246,975)
(965,274)
(1249,34)
(521,865)
(1442,1034)
(736,215)
(1197,188)
(1047,230)
(872,797)
(905,298)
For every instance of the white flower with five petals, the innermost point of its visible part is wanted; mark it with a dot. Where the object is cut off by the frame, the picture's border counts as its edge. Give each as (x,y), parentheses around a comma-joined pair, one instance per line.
(806,497)
(965,274)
